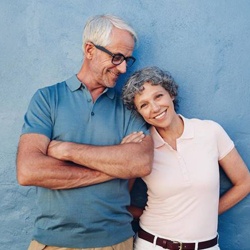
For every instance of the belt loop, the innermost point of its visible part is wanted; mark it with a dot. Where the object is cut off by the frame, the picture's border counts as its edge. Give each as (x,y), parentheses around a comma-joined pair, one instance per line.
(196,245)
(154,242)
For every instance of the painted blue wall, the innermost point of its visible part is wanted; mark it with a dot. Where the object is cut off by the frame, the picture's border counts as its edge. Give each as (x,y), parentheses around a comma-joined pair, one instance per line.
(204,44)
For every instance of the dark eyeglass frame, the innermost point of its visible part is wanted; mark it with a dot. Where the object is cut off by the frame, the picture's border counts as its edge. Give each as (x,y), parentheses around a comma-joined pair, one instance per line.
(129,60)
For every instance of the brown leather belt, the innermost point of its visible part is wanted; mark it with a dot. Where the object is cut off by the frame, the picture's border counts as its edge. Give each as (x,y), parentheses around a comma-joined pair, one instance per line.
(175,245)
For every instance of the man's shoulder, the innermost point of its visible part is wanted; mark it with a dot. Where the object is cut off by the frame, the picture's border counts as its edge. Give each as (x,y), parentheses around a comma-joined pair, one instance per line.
(52,86)
(55,87)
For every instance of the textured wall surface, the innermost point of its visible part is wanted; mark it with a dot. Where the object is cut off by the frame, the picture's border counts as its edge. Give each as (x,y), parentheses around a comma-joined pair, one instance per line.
(204,44)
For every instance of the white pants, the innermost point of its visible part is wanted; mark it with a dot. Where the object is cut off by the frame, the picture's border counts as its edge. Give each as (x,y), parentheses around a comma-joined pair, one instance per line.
(141,244)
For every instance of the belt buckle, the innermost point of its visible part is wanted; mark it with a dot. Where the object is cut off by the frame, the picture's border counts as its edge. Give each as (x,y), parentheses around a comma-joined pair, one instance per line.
(179,243)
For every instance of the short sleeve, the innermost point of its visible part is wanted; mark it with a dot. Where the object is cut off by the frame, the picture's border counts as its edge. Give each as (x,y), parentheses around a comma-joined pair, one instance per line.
(137,123)
(224,142)
(38,116)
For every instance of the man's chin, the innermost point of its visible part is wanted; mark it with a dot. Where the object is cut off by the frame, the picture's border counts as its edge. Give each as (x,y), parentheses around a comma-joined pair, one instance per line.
(110,85)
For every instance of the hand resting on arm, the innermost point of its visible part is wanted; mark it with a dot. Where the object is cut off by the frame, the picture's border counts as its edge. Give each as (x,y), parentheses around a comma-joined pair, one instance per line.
(127,160)
(37,164)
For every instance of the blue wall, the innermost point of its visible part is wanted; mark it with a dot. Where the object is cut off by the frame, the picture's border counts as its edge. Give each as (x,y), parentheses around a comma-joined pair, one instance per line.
(204,44)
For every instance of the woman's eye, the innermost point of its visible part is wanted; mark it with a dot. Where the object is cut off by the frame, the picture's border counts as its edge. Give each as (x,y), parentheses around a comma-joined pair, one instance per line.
(158,96)
(143,105)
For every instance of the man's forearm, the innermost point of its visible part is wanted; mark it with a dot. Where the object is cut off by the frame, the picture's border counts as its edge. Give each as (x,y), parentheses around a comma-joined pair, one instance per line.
(127,160)
(55,174)
(35,168)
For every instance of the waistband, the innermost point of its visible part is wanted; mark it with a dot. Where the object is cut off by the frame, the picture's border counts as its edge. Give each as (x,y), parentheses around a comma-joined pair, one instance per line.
(176,245)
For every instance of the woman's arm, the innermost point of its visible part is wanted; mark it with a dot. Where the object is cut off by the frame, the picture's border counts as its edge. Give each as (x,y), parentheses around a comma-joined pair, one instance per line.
(237,171)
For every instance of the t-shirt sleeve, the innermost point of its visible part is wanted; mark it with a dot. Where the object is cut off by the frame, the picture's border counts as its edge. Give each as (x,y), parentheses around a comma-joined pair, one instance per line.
(38,116)
(224,142)
(137,124)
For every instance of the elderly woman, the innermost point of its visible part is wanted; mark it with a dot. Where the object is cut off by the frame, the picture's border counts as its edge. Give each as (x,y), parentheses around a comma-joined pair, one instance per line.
(183,187)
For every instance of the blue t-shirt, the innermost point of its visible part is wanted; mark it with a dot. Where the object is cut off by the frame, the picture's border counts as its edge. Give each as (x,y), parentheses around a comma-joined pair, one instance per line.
(93,216)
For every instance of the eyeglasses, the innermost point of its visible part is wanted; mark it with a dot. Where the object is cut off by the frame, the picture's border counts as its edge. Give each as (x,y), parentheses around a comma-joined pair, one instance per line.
(118,58)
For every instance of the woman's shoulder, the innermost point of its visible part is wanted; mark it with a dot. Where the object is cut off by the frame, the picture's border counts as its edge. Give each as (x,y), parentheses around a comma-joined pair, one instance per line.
(204,124)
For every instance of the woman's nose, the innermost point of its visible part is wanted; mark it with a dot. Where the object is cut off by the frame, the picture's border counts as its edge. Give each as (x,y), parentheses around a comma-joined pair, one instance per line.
(155,106)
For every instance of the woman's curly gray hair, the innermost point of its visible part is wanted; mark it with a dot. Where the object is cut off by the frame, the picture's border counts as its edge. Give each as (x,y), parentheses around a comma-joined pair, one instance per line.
(153,75)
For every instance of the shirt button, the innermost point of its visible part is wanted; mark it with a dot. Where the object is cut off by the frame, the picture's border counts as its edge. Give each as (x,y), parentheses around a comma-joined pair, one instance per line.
(92,113)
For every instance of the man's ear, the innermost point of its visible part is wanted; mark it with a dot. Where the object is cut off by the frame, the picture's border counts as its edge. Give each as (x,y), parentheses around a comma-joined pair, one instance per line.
(89,49)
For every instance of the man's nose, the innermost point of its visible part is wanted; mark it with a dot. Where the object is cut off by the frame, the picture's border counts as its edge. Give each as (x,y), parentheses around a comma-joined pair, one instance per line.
(122,67)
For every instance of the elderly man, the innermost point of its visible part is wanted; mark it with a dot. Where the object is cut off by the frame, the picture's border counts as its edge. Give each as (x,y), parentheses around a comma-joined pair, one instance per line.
(72,148)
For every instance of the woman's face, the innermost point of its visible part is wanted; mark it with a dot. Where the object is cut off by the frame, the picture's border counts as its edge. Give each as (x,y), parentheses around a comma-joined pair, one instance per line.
(155,105)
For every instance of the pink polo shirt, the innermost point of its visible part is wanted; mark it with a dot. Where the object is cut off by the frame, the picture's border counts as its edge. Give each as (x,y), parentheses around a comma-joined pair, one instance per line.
(183,187)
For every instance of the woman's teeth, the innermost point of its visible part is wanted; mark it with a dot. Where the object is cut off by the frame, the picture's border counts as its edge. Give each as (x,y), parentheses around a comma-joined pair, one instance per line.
(160,115)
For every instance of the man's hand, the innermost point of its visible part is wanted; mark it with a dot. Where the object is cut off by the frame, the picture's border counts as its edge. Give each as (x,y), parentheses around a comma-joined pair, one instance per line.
(134,137)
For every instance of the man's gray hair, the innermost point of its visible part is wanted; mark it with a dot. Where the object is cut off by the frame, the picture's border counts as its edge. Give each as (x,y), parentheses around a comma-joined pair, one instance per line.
(98,29)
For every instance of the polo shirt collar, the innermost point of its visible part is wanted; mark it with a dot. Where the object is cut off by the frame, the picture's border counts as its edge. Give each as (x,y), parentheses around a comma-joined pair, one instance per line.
(110,92)
(74,84)
(188,133)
